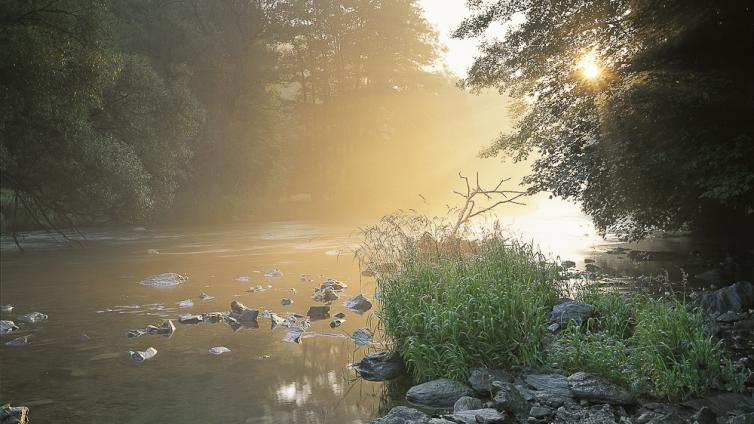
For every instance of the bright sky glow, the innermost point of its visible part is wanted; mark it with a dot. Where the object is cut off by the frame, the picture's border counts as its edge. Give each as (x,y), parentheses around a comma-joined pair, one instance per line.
(589,66)
(446,15)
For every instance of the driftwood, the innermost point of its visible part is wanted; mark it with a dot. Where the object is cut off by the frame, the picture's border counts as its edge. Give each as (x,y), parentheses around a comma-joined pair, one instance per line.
(473,194)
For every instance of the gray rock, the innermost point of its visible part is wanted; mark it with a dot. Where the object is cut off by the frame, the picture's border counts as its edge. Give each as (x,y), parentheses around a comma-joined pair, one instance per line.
(143,356)
(571,310)
(336,323)
(167,328)
(742,419)
(243,313)
(333,285)
(738,297)
(554,327)
(595,389)
(467,403)
(403,415)
(6,308)
(14,414)
(136,333)
(84,338)
(481,379)
(204,296)
(190,319)
(540,412)
(358,304)
(277,321)
(474,416)
(524,392)
(33,317)
(218,350)
(340,315)
(285,301)
(293,335)
(7,326)
(509,398)
(318,312)
(724,403)
(380,366)
(213,317)
(601,414)
(168,279)
(362,336)
(704,416)
(440,393)
(552,384)
(18,341)
(730,316)
(326,295)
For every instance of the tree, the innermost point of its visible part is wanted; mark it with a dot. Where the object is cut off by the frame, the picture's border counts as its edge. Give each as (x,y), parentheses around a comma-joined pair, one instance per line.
(639,110)
(88,133)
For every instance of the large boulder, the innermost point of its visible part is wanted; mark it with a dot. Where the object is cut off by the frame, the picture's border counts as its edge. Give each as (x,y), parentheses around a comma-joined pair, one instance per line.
(467,403)
(481,379)
(403,415)
(595,389)
(440,393)
(552,384)
(571,310)
(485,415)
(737,298)
(509,398)
(380,366)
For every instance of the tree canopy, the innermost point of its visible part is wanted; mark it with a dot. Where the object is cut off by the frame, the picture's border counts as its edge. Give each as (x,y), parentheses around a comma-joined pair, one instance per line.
(639,110)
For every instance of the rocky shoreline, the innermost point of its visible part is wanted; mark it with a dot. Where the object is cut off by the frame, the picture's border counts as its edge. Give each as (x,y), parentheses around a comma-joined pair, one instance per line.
(521,395)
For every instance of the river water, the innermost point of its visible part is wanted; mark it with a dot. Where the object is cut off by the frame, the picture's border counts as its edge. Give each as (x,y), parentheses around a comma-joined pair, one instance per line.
(95,291)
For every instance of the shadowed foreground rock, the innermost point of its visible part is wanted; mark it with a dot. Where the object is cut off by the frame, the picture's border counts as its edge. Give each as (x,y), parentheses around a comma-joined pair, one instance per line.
(440,393)
(403,415)
(380,366)
(14,414)
(594,389)
(481,379)
(737,298)
(571,310)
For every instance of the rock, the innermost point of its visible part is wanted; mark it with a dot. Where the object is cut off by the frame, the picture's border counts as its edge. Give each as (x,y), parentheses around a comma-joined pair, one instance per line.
(568,264)
(333,285)
(336,323)
(143,356)
(600,414)
(33,317)
(380,366)
(273,273)
(592,268)
(277,321)
(571,310)
(403,415)
(509,398)
(84,338)
(243,279)
(213,317)
(704,416)
(480,379)
(553,328)
(18,341)
(188,303)
(362,336)
(293,335)
(166,329)
(440,393)
(285,301)
(595,389)
(540,412)
(136,333)
(524,392)
(204,296)
(474,416)
(552,384)
(340,315)
(738,297)
(190,319)
(358,304)
(588,261)
(14,414)
(6,308)
(7,326)
(168,279)
(218,350)
(467,403)
(326,295)
(742,419)
(152,252)
(243,313)
(318,312)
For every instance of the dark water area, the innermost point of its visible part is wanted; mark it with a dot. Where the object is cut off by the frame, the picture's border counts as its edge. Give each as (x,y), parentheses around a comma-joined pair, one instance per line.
(95,291)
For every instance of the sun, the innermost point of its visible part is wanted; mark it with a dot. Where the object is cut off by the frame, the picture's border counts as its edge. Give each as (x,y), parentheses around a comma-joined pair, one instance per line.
(589,67)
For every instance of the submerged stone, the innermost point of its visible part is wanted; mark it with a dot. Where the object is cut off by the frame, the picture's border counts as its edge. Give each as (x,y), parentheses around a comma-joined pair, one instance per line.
(336,323)
(190,319)
(204,296)
(243,313)
(326,295)
(185,303)
(333,285)
(318,312)
(168,279)
(6,308)
(18,341)
(362,336)
(213,317)
(440,393)
(33,317)
(7,326)
(358,304)
(218,350)
(143,356)
(285,301)
(340,315)
(136,333)
(380,366)
(273,273)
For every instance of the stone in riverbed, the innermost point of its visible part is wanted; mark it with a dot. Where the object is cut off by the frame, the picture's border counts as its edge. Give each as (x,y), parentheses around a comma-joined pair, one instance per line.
(318,312)
(340,315)
(277,321)
(218,350)
(293,335)
(285,301)
(243,313)
(380,366)
(509,398)
(168,279)
(213,317)
(14,414)
(595,389)
(738,297)
(440,393)
(6,308)
(467,403)
(336,323)
(358,304)
(273,273)
(333,285)
(403,415)
(136,333)
(33,317)
(7,326)
(143,356)
(18,341)
(540,412)
(480,379)
(326,295)
(167,328)
(571,310)
(485,415)
(190,319)
(362,336)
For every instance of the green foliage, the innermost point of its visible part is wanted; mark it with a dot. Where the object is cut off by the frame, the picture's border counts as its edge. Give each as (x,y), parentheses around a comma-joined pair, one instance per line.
(663,352)
(660,139)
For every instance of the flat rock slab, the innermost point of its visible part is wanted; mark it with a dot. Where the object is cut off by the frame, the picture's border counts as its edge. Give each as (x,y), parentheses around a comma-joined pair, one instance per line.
(440,393)
(481,379)
(358,304)
(571,311)
(380,366)
(485,415)
(554,384)
(737,298)
(595,389)
(403,415)
(168,279)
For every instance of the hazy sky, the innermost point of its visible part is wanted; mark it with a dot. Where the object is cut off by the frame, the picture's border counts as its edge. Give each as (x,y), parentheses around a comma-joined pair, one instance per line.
(445,15)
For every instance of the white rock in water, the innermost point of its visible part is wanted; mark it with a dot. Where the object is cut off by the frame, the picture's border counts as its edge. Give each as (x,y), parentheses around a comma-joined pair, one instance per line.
(7,326)
(219,350)
(185,303)
(152,252)
(6,308)
(168,279)
(273,273)
(33,317)
(143,356)
(205,296)
(243,279)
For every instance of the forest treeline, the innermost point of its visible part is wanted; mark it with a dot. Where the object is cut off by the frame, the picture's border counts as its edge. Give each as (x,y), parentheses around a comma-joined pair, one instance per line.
(130,111)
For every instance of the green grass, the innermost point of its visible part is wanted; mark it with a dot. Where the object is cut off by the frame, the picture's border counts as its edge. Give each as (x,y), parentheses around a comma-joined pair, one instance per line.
(450,305)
